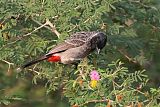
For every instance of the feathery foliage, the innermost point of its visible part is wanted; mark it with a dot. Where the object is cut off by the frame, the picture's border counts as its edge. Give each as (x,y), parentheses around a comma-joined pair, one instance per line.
(30,28)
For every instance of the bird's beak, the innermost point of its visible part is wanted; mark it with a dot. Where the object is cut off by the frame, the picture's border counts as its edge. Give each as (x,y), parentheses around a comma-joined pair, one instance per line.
(98,50)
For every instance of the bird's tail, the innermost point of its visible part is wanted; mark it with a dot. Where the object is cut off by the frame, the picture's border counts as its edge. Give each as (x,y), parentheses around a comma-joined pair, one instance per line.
(34,62)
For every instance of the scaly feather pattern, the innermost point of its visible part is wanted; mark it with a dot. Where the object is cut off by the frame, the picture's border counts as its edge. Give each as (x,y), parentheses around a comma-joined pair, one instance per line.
(76,47)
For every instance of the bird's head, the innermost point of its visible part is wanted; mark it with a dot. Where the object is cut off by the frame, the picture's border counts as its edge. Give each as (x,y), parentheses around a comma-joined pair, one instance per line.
(98,41)
(101,41)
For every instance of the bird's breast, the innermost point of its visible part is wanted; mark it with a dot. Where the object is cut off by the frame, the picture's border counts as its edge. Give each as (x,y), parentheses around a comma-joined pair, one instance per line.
(74,55)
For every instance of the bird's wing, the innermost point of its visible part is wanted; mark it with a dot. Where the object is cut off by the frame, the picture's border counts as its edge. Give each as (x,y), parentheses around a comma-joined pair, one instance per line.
(60,48)
(81,36)
(75,40)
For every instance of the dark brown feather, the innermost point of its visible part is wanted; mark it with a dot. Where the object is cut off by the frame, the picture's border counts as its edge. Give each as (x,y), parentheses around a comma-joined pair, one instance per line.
(75,40)
(34,61)
(82,36)
(60,48)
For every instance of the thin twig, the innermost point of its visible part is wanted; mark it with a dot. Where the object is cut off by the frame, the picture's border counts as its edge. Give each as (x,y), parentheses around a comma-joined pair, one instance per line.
(126,56)
(95,101)
(142,4)
(35,30)
(41,24)
(34,71)
(43,3)
(53,27)
(148,105)
(21,37)
(72,28)
(136,90)
(88,19)
(9,64)
(114,89)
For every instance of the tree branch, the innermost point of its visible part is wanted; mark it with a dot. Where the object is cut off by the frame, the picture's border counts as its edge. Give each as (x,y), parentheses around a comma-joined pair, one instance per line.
(53,29)
(18,38)
(33,70)
(9,64)
(95,101)
(127,57)
(35,29)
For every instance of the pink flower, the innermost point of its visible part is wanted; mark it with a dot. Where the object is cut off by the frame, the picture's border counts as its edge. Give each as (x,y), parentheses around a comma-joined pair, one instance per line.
(94,75)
